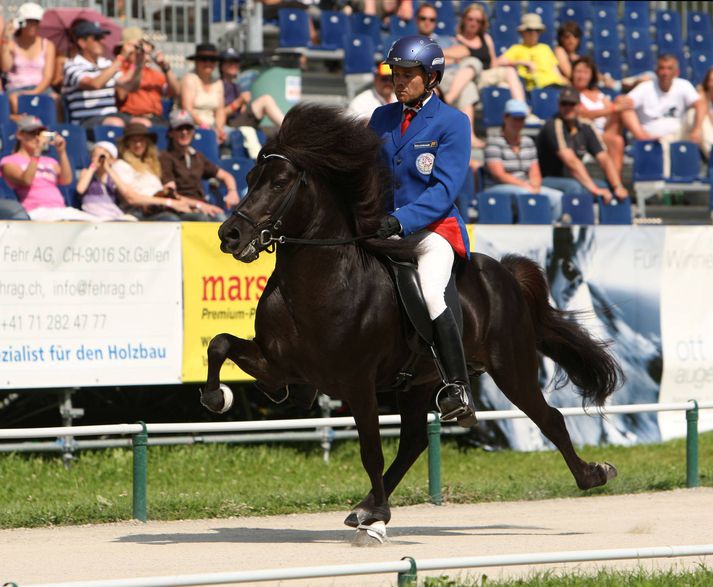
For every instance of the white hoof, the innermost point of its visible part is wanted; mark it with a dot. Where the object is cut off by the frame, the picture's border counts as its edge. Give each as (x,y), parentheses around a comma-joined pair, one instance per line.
(227,398)
(371,535)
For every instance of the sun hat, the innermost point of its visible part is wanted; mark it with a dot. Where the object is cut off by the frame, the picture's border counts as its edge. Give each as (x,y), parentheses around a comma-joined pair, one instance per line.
(30,124)
(516,108)
(205,52)
(136,129)
(181,118)
(531,21)
(108,147)
(30,11)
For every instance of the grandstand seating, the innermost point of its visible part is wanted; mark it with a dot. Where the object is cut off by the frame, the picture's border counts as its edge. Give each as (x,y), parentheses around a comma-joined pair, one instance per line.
(507,11)
(205,140)
(578,209)
(6,192)
(401,28)
(615,212)
(545,102)
(106,132)
(446,17)
(504,35)
(369,26)
(639,55)
(494,209)
(648,161)
(604,16)
(239,167)
(359,55)
(701,62)
(7,133)
(294,28)
(41,106)
(161,137)
(77,147)
(579,12)
(334,29)
(608,61)
(546,10)
(493,100)
(533,209)
(698,22)
(685,162)
(636,14)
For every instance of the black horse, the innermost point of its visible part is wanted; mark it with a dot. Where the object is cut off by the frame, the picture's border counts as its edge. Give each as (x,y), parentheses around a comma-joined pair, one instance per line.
(329,318)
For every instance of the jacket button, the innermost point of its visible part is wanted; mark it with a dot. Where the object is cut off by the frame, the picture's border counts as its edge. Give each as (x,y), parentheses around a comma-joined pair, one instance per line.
(398,162)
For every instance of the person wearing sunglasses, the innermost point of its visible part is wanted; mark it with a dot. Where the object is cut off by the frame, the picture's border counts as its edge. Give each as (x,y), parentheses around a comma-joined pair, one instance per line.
(536,62)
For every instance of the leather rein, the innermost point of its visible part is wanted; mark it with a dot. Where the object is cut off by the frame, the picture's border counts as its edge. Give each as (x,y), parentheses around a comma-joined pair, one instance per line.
(267,231)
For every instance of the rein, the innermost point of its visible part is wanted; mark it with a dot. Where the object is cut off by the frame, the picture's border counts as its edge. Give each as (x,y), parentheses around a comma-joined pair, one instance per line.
(267,241)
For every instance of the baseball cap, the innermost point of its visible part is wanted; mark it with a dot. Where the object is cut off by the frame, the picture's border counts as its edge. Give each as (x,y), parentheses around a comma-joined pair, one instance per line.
(108,147)
(30,11)
(229,54)
(568,95)
(383,69)
(180,118)
(30,124)
(87,28)
(516,108)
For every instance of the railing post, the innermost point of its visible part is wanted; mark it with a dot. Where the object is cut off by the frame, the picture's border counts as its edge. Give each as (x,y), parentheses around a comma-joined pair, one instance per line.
(692,477)
(408,578)
(434,460)
(140,441)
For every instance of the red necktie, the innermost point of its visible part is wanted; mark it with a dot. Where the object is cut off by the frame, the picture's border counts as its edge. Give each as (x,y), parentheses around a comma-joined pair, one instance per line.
(408,116)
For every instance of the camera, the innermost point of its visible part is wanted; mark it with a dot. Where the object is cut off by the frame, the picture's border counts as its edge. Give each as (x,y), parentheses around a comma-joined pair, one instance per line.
(50,136)
(102,158)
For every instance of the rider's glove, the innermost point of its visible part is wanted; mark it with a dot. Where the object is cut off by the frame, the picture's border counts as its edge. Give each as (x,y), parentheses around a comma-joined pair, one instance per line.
(389,226)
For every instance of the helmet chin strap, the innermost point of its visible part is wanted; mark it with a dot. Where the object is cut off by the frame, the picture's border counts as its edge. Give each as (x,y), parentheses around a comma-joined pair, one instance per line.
(417,104)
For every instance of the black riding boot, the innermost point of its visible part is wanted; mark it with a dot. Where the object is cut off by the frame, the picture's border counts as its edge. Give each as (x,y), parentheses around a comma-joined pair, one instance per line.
(455,400)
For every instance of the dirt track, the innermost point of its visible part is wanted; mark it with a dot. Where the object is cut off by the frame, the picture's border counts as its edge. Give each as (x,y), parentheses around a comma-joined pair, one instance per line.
(114,551)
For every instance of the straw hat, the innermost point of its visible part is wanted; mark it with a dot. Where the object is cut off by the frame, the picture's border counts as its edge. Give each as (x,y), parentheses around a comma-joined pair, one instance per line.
(531,21)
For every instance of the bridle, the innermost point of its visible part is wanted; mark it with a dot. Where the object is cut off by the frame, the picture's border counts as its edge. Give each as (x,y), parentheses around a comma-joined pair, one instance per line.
(268,236)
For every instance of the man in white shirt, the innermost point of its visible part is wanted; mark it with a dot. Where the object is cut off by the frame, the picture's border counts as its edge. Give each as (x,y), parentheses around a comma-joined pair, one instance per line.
(661,106)
(382,92)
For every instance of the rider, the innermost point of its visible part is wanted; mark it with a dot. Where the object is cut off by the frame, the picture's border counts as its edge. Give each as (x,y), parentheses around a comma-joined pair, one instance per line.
(426,145)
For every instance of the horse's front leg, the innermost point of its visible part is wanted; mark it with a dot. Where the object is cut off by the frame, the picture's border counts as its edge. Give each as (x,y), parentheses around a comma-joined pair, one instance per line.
(244,353)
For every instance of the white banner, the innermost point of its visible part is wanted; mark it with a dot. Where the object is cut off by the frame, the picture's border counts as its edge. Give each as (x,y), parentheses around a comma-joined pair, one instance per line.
(686,324)
(90,304)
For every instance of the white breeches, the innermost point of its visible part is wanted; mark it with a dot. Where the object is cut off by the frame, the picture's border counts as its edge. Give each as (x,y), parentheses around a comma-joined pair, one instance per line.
(434,257)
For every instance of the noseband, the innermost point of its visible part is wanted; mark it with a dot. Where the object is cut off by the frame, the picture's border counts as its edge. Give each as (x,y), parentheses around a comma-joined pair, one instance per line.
(266,238)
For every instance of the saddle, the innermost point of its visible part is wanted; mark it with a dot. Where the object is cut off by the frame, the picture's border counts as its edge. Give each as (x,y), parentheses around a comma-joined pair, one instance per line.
(413,307)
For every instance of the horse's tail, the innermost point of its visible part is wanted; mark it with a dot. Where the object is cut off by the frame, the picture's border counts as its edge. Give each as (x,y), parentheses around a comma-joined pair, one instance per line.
(585,360)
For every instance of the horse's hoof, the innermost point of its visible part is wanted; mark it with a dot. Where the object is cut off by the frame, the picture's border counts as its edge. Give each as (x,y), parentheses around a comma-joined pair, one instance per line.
(219,400)
(371,535)
(610,470)
(352,520)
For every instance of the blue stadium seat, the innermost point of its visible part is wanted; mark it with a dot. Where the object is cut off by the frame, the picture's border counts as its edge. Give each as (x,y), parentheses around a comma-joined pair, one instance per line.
(446,17)
(546,10)
(367,25)
(494,209)
(400,28)
(686,162)
(334,29)
(77,146)
(698,22)
(579,12)
(6,192)
(294,28)
(504,35)
(639,54)
(545,102)
(359,55)
(533,209)
(648,161)
(161,137)
(605,15)
(71,197)
(698,42)
(701,62)
(41,106)
(166,107)
(239,167)
(636,14)
(605,37)
(608,61)
(106,132)
(493,100)
(615,212)
(4,108)
(507,11)
(668,21)
(579,209)
(7,135)
(205,141)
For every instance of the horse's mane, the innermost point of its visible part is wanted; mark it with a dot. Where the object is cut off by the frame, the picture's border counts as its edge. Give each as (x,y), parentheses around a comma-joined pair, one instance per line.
(342,154)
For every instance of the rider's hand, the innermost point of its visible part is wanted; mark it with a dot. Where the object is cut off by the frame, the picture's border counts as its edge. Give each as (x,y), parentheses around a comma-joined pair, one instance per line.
(389,227)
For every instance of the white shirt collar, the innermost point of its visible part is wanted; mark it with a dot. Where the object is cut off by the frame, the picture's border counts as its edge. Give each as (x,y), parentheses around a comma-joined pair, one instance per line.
(404,107)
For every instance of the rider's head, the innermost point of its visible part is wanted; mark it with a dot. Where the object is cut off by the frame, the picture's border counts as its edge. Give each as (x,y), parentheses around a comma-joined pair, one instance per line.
(417,63)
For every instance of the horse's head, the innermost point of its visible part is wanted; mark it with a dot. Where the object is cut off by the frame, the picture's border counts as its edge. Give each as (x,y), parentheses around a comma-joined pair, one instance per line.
(263,215)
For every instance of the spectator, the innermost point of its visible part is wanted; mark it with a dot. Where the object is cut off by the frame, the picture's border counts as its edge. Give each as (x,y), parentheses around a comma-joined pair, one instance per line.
(156,80)
(100,188)
(535,61)
(26,58)
(569,37)
(511,160)
(36,177)
(402,9)
(140,170)
(562,143)
(183,168)
(241,110)
(660,108)
(91,82)
(706,91)
(202,95)
(382,92)
(597,107)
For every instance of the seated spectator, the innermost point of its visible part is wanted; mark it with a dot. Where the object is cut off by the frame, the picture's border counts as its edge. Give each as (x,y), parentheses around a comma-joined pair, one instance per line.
(183,168)
(535,61)
(26,58)
(596,106)
(201,94)
(569,37)
(35,177)
(382,92)
(511,164)
(240,108)
(706,92)
(562,143)
(156,80)
(91,82)
(660,108)
(474,52)
(402,9)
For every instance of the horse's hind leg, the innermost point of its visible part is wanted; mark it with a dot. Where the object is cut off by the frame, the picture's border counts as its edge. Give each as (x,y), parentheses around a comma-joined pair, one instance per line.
(517,379)
(244,353)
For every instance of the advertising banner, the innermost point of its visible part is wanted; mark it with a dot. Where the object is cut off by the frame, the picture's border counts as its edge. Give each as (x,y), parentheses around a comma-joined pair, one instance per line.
(686,324)
(89,304)
(220,295)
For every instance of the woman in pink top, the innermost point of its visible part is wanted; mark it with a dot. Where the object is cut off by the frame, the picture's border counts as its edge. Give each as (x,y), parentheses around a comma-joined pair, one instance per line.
(26,58)
(35,178)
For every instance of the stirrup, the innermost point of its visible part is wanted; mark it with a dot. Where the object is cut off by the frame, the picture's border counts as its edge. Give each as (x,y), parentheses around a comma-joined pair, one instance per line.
(463,414)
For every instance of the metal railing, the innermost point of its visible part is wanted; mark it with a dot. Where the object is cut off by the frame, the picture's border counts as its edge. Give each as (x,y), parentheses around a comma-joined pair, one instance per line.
(140,433)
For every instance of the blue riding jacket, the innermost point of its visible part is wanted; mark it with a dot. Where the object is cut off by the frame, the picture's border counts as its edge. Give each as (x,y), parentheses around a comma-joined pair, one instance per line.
(428,164)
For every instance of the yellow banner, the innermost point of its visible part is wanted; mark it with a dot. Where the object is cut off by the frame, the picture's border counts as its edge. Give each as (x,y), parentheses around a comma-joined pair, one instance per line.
(220,294)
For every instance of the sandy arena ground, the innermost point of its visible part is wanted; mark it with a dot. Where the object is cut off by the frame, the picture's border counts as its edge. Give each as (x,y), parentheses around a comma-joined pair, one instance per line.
(132,549)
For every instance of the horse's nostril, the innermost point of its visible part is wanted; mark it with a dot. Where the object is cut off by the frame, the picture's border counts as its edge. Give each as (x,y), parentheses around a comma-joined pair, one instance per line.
(233,233)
